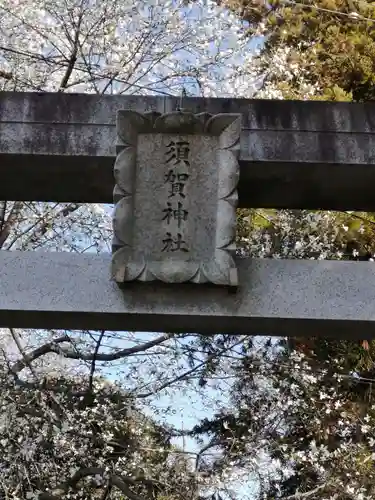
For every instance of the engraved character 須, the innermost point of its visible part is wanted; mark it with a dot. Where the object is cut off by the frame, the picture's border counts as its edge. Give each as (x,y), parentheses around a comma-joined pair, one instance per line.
(178,152)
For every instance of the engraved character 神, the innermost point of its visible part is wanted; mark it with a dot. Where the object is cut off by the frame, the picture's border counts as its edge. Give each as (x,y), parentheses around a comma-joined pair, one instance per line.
(178,214)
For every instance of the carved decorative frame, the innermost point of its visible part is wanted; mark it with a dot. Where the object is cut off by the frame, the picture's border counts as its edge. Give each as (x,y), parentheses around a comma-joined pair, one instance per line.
(222,269)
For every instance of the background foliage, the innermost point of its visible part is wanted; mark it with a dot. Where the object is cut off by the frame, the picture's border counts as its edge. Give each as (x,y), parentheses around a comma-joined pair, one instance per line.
(95,414)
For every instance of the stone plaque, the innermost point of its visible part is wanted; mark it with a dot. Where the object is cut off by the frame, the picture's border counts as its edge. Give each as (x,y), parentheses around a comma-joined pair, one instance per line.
(176,197)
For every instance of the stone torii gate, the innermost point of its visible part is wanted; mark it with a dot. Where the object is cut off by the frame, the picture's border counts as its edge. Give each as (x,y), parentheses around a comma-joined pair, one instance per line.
(313,155)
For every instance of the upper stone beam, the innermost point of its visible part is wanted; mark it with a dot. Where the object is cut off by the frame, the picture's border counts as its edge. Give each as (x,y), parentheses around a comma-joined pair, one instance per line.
(294,154)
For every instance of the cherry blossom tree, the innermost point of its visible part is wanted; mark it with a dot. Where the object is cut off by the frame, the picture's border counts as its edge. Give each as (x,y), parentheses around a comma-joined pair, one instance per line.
(58,420)
(299,423)
(64,431)
(63,437)
(123,47)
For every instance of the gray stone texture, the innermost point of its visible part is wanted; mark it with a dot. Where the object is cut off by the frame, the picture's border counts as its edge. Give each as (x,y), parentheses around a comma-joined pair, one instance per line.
(274,297)
(176,197)
(200,198)
(293,154)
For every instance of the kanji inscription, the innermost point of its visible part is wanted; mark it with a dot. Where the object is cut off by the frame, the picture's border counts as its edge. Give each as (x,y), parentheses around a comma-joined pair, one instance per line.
(178,162)
(175,198)
(178,152)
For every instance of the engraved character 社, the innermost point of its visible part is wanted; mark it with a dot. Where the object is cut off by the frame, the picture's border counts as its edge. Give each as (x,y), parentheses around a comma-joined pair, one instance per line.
(172,244)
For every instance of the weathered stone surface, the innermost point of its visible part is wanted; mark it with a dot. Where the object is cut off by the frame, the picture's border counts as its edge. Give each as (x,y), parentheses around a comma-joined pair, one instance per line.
(176,198)
(59,108)
(294,154)
(274,297)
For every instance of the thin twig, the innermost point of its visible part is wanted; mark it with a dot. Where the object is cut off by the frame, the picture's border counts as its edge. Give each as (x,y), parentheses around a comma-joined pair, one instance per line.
(307,494)
(92,368)
(73,57)
(363,219)
(7,226)
(107,490)
(63,488)
(2,215)
(37,353)
(27,362)
(189,372)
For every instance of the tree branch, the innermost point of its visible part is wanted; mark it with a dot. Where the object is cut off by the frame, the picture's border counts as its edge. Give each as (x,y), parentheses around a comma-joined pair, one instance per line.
(306,494)
(92,368)
(37,353)
(7,226)
(211,444)
(55,348)
(107,491)
(73,57)
(189,372)
(40,227)
(3,210)
(63,488)
(6,75)
(116,355)
(25,359)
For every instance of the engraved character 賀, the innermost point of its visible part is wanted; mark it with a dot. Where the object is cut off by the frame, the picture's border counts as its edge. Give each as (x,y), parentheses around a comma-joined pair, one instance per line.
(176,183)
